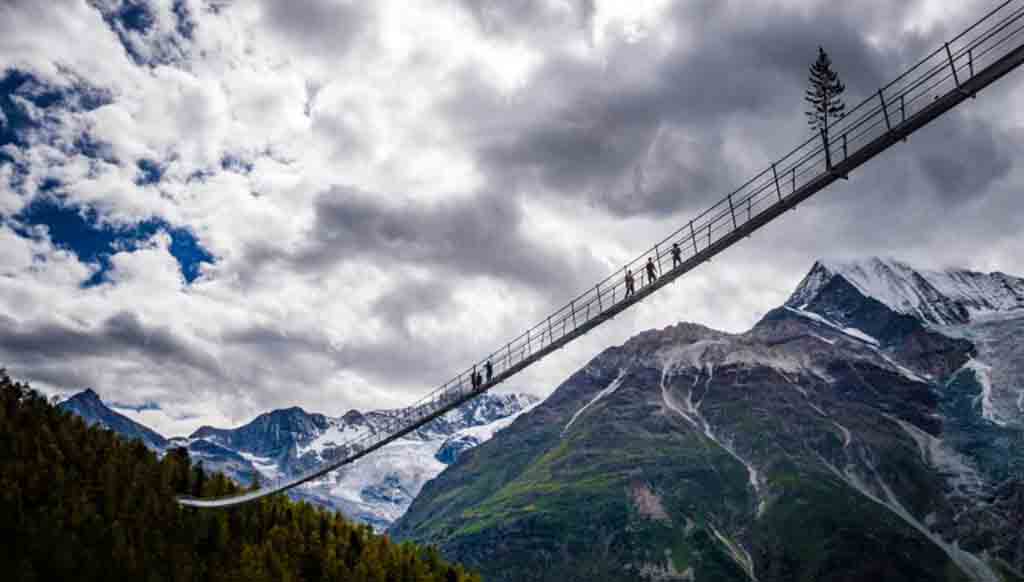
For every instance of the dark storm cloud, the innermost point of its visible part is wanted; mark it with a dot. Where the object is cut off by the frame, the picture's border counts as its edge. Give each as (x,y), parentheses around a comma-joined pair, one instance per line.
(529,18)
(417,362)
(961,158)
(322,28)
(119,334)
(477,235)
(643,132)
(401,304)
(396,355)
(430,249)
(279,352)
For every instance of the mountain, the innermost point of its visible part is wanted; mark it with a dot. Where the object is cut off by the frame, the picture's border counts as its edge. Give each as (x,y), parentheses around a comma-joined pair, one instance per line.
(953,296)
(375,490)
(88,405)
(378,488)
(268,435)
(868,429)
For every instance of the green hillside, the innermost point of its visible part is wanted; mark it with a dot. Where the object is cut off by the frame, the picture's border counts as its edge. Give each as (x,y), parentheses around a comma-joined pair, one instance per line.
(80,503)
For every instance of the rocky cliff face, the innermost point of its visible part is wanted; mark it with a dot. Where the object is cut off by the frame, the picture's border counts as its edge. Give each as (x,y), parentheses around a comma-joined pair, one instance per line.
(866,430)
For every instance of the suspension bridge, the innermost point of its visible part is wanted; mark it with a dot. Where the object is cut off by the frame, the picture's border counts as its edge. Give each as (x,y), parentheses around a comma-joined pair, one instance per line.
(955,72)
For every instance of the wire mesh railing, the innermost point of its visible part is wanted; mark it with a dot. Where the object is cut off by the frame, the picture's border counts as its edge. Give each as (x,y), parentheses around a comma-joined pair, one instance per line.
(886,112)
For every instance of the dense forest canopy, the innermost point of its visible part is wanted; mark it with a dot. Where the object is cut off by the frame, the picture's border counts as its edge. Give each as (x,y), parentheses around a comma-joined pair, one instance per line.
(80,503)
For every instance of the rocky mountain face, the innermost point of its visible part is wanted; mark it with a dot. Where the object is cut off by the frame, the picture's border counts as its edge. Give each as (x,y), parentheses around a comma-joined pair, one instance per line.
(87,404)
(868,429)
(375,490)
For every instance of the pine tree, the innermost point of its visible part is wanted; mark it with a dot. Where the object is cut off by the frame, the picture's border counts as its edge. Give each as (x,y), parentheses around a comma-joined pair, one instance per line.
(824,94)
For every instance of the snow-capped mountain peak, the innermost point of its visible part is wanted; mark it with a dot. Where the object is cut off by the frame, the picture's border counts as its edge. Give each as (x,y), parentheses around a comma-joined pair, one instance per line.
(952,296)
(88,405)
(375,490)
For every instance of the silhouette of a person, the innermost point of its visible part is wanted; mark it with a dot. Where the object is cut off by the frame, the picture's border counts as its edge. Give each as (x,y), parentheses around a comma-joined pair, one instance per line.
(652,273)
(630,289)
(677,256)
(489,369)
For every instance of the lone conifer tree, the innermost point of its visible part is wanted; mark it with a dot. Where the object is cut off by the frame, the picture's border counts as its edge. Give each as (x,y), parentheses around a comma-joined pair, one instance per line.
(824,94)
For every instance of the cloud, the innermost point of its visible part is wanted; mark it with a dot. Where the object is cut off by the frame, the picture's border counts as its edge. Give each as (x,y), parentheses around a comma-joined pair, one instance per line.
(121,334)
(961,160)
(391,190)
(476,235)
(320,28)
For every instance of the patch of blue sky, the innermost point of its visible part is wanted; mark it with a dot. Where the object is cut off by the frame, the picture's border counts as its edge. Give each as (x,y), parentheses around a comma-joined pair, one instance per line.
(82,232)
(19,89)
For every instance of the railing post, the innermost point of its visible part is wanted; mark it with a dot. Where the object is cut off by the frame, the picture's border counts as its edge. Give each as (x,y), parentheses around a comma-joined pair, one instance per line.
(750,208)
(903,112)
(572,308)
(508,347)
(778,188)
(952,65)
(732,211)
(794,180)
(600,306)
(709,235)
(885,111)
(693,237)
(846,154)
(828,154)
(528,346)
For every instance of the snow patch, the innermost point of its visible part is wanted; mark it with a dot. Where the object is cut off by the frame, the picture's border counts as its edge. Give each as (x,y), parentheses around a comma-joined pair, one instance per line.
(903,370)
(691,412)
(963,479)
(970,564)
(937,297)
(819,338)
(266,466)
(486,432)
(610,389)
(849,331)
(847,435)
(737,552)
(335,435)
(983,373)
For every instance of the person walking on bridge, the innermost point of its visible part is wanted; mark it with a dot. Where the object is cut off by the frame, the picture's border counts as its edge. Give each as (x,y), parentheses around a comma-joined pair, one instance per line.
(630,287)
(652,272)
(677,256)
(489,370)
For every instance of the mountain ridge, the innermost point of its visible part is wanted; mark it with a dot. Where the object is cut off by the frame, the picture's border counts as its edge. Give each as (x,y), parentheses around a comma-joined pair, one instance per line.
(857,429)
(88,405)
(286,441)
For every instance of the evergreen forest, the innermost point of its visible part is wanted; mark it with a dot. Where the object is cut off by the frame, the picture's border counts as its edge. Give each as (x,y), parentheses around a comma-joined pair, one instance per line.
(81,503)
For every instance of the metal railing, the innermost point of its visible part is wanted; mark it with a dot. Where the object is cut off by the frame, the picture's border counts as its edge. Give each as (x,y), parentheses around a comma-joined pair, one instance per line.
(972,60)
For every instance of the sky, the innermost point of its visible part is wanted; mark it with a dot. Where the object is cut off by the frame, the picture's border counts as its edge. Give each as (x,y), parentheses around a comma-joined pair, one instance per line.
(213,208)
